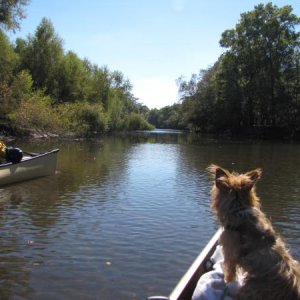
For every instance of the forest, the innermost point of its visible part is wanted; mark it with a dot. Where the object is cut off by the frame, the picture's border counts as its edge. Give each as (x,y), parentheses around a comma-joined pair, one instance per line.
(253,88)
(45,89)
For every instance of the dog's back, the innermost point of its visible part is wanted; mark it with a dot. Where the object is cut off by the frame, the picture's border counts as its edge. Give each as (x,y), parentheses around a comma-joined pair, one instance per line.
(270,270)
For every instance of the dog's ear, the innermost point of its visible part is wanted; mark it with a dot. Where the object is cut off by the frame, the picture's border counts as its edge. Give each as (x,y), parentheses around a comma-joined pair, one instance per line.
(254,176)
(220,176)
(220,173)
(221,179)
(216,171)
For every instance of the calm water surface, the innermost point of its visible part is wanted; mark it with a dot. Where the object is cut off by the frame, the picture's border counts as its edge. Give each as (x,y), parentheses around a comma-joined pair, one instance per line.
(124,217)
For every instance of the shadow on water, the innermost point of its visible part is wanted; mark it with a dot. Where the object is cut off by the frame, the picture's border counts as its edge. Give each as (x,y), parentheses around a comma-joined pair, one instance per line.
(124,216)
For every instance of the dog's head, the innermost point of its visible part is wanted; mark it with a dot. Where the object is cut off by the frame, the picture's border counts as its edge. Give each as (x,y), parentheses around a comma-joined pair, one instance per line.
(232,191)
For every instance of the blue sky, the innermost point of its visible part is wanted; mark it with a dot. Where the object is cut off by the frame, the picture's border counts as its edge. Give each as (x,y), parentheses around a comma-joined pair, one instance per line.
(152,42)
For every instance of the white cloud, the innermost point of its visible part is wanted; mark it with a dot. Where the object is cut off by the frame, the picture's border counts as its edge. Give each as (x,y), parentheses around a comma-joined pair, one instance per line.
(155,92)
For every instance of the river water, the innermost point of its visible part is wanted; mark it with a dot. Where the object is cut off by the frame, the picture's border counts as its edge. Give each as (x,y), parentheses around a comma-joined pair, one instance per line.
(124,217)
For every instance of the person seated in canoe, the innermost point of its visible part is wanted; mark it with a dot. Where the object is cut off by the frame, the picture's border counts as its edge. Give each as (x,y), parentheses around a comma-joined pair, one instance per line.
(2,152)
(10,154)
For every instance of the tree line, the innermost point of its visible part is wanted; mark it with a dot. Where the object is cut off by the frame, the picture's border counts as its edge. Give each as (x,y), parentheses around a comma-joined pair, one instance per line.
(47,89)
(254,87)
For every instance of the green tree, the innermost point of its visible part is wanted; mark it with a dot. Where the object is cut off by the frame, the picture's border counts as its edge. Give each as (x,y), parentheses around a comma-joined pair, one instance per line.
(99,85)
(42,88)
(8,58)
(73,78)
(228,112)
(21,86)
(255,83)
(199,109)
(265,45)
(153,117)
(36,114)
(43,57)
(11,12)
(89,120)
(8,63)
(11,95)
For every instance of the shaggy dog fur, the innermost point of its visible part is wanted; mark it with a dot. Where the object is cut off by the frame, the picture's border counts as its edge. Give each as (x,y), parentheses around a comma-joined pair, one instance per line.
(249,241)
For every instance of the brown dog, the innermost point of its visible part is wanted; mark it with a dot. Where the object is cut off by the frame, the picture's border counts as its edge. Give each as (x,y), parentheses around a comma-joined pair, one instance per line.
(249,241)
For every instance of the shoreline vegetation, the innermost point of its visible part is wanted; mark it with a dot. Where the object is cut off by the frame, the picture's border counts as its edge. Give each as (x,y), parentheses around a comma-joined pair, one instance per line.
(253,89)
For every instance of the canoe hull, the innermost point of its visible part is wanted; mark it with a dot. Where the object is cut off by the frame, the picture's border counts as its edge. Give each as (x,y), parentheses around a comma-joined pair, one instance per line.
(29,168)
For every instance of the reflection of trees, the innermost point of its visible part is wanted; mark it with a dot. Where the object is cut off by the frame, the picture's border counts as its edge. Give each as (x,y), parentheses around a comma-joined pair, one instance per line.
(38,199)
(91,164)
(14,273)
(159,136)
(81,164)
(13,281)
(29,210)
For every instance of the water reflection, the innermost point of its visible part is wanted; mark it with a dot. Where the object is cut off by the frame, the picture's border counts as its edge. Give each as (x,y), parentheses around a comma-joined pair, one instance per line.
(124,216)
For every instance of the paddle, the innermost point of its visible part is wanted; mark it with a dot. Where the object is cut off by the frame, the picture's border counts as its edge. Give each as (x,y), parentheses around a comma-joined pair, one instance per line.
(30,153)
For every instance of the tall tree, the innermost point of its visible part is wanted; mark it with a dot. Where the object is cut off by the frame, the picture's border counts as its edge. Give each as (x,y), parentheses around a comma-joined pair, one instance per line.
(43,57)
(8,58)
(265,44)
(73,77)
(256,81)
